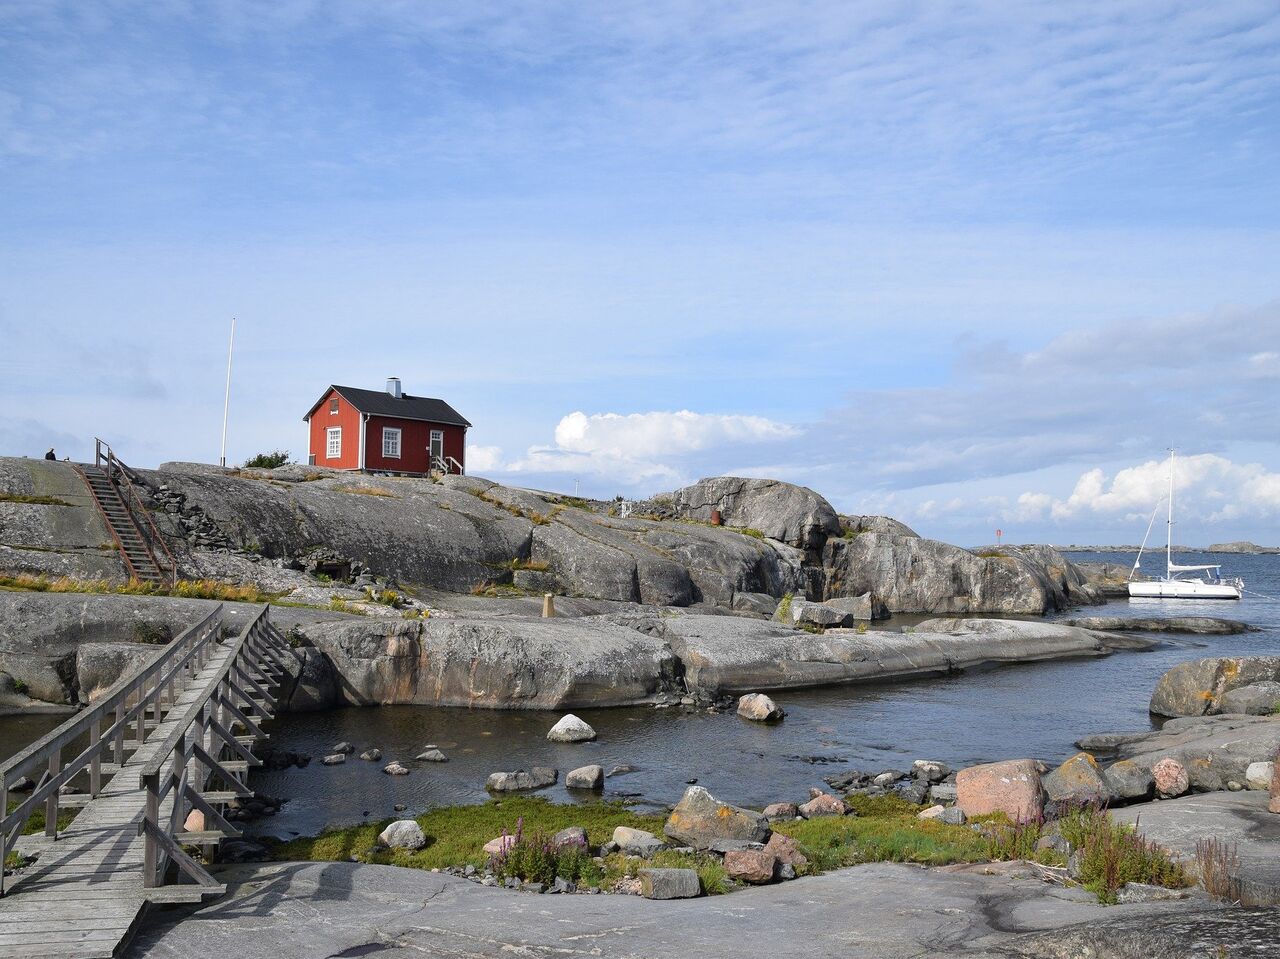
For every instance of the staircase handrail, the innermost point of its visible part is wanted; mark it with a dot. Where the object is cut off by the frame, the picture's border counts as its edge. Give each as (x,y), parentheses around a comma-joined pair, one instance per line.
(106,521)
(110,458)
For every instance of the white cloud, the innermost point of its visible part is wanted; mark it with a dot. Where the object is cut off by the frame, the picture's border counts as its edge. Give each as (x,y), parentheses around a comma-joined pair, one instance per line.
(659,434)
(1207,487)
(482,459)
(635,448)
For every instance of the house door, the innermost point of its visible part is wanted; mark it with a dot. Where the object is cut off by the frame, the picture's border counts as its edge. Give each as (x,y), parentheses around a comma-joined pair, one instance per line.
(437,449)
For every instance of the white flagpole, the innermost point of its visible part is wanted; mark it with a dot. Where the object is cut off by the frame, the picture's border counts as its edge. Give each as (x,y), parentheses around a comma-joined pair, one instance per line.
(226,399)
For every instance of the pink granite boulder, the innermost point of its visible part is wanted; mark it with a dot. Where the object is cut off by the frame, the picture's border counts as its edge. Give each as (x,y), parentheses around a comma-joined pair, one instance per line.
(1170,777)
(1011,787)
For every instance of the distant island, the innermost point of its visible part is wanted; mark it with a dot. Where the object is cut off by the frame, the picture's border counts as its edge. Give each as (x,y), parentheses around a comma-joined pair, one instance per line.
(1240,546)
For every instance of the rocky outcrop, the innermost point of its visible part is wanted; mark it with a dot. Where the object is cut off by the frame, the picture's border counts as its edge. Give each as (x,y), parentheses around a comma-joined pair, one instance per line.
(910,574)
(1214,750)
(1196,688)
(69,647)
(857,525)
(511,661)
(790,514)
(723,655)
(1194,625)
(278,528)
(498,664)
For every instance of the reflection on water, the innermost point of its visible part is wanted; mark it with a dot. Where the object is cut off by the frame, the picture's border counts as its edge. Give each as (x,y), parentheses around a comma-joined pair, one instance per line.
(1034,710)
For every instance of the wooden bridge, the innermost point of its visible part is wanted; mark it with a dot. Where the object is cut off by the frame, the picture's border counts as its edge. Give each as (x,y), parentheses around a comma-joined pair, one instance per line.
(160,754)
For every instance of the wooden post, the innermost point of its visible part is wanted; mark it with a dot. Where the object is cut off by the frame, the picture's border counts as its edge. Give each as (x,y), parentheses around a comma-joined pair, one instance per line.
(548,605)
(51,804)
(151,817)
(4,830)
(119,724)
(95,764)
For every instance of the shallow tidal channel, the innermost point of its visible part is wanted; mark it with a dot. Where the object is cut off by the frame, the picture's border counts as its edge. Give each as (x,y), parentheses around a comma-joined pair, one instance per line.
(1036,710)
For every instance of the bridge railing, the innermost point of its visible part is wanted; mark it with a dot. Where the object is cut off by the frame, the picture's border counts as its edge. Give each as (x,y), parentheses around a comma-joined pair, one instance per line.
(204,747)
(139,700)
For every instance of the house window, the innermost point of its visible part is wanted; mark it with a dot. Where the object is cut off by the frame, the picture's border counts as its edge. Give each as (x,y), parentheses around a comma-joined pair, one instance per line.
(333,405)
(437,446)
(391,442)
(333,448)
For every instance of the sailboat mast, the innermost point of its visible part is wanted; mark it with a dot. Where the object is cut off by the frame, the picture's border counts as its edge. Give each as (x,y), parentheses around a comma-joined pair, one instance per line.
(1168,559)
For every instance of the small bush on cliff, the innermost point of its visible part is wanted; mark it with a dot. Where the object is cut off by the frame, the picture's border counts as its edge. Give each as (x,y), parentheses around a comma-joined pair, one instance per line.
(267,461)
(784,607)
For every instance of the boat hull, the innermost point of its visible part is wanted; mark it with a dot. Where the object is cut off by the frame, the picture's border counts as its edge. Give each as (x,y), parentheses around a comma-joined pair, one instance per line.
(1183,590)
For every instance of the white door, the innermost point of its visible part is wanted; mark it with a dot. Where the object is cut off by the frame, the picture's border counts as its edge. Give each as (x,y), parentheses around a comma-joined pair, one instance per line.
(437,448)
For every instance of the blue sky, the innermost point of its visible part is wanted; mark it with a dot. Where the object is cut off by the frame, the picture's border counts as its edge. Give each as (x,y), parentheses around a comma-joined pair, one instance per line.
(973,264)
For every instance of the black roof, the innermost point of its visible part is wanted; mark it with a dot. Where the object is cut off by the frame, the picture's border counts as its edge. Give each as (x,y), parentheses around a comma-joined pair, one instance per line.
(382,403)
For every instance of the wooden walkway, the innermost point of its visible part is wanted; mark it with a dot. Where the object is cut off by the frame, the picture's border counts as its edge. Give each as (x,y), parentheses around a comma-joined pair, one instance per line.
(88,887)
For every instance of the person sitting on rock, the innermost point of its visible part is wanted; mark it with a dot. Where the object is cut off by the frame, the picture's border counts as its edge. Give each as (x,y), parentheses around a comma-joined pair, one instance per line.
(50,455)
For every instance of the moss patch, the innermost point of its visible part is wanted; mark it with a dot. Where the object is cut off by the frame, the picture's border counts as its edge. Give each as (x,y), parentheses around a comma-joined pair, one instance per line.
(456,834)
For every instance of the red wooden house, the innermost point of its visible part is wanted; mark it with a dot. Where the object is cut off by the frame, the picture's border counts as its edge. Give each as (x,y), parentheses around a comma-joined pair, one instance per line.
(385,432)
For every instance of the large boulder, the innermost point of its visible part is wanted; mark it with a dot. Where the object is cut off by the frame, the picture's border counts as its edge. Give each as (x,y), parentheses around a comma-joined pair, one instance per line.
(1256,699)
(800,612)
(539,777)
(1011,787)
(585,777)
(1171,778)
(753,866)
(571,729)
(855,609)
(1076,782)
(669,883)
(1128,781)
(781,511)
(1196,688)
(699,819)
(914,575)
(759,708)
(637,842)
(403,834)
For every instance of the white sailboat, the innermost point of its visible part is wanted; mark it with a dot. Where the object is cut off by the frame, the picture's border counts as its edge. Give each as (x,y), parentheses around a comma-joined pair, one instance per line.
(1209,585)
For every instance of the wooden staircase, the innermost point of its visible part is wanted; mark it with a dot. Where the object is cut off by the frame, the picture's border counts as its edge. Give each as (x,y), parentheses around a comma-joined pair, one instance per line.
(113,493)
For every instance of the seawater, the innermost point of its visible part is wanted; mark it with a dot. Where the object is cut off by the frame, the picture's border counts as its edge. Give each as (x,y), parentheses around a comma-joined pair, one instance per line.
(1031,710)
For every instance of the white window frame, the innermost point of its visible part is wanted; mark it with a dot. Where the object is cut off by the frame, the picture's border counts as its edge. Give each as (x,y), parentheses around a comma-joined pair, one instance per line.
(390,432)
(435,435)
(333,406)
(333,443)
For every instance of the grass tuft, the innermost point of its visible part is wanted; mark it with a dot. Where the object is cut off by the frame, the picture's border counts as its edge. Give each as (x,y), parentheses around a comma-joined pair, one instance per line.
(184,588)
(33,499)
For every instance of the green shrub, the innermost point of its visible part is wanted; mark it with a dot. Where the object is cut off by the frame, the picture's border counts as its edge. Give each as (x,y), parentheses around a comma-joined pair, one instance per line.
(1112,854)
(267,461)
(753,533)
(784,607)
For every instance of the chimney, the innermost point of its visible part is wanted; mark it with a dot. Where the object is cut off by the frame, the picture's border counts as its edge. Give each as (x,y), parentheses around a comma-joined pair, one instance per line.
(393,386)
